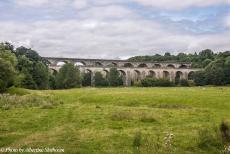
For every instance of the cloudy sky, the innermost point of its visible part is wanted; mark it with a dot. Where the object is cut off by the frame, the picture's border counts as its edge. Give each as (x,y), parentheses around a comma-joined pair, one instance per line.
(115,28)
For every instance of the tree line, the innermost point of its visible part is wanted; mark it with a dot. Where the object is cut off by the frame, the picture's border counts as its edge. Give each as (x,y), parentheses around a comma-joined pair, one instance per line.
(216,66)
(23,67)
(198,60)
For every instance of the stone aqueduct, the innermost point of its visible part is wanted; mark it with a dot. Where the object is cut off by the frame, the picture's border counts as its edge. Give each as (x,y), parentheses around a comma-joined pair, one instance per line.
(130,71)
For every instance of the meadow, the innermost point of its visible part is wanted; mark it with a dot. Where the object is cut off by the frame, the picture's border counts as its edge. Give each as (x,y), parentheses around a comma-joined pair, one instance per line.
(116,120)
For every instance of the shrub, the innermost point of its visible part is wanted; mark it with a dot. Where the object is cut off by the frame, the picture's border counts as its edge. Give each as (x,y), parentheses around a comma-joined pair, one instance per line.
(137,83)
(184,83)
(152,82)
(200,78)
(99,80)
(191,83)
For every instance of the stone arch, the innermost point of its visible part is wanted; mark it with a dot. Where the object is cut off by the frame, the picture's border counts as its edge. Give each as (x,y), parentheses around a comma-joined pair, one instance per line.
(142,65)
(87,78)
(53,71)
(191,75)
(123,75)
(80,63)
(183,66)
(98,64)
(157,66)
(171,66)
(105,73)
(113,64)
(166,75)
(143,74)
(128,65)
(137,75)
(60,63)
(152,74)
(179,75)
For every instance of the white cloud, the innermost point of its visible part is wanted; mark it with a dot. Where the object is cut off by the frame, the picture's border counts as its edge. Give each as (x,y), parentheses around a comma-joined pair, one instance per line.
(42,3)
(32,2)
(227,21)
(180,4)
(80,4)
(107,39)
(109,12)
(105,29)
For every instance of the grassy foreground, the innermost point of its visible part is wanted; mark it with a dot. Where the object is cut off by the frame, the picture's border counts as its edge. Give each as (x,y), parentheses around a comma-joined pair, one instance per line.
(120,120)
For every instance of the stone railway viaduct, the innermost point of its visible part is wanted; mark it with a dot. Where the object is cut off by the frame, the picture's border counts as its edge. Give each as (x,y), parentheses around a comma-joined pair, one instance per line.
(130,71)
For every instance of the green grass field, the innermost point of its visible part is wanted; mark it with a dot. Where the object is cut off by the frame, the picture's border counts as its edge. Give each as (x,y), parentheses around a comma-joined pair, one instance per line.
(120,120)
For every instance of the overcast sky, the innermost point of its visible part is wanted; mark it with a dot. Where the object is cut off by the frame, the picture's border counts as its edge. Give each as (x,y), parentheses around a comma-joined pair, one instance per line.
(115,28)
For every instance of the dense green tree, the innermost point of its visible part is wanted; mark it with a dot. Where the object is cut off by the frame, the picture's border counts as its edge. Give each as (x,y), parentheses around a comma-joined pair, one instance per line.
(99,80)
(68,77)
(227,70)
(184,83)
(115,78)
(35,69)
(7,74)
(86,80)
(8,62)
(27,80)
(206,62)
(8,55)
(214,73)
(206,54)
(200,78)
(40,75)
(29,53)
(52,81)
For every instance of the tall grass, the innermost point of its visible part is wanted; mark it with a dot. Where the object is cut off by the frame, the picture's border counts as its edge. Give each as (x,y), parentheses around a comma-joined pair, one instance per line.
(8,101)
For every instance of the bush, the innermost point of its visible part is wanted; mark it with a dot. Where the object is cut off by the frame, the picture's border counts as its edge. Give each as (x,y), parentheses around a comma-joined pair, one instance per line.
(184,83)
(191,83)
(151,82)
(200,78)
(100,81)
(137,83)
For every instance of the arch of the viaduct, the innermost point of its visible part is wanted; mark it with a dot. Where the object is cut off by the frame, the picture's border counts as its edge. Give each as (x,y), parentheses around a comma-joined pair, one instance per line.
(130,71)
